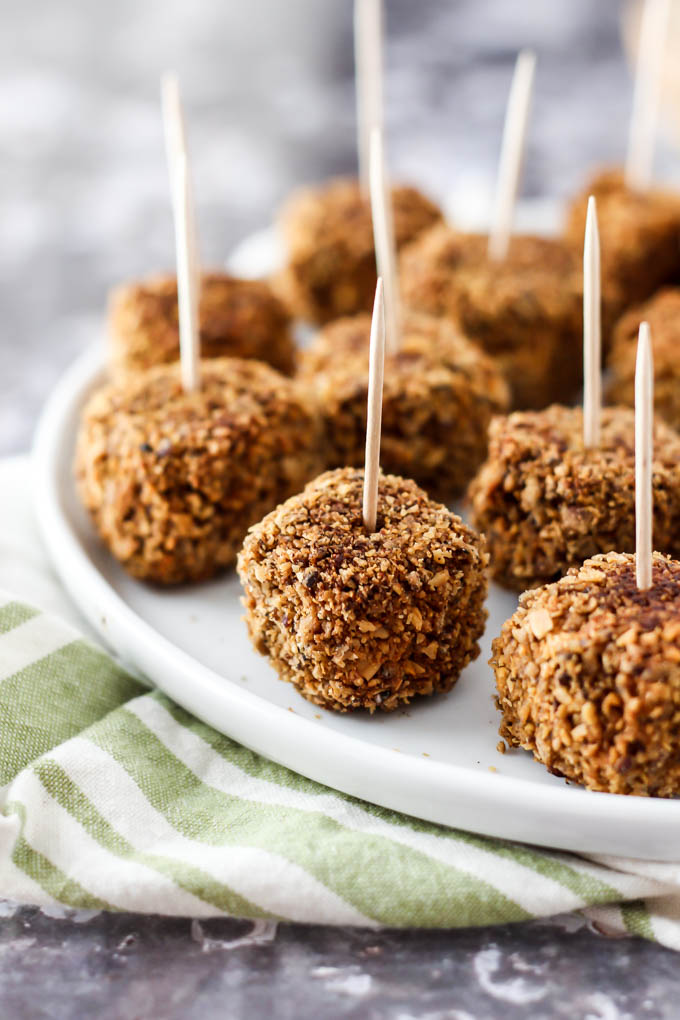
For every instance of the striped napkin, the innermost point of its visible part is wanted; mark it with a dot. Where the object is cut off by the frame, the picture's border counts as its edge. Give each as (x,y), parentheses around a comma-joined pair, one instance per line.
(113,798)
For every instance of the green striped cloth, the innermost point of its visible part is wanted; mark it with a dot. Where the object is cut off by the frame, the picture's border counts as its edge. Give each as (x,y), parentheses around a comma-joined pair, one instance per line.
(113,798)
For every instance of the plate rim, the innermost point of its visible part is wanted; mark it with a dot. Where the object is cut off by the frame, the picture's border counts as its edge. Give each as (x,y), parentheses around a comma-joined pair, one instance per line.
(426,788)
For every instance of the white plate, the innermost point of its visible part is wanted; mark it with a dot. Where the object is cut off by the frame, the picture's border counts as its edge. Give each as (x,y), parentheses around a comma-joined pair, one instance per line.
(437,760)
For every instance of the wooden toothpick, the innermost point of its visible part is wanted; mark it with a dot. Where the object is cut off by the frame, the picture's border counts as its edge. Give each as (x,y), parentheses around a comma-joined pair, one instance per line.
(512,152)
(647,93)
(368,74)
(592,331)
(383,236)
(187,290)
(186,245)
(376,370)
(644,424)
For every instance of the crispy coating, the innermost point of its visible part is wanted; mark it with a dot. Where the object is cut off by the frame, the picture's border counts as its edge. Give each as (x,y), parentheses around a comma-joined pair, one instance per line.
(328,233)
(588,677)
(639,239)
(173,480)
(545,503)
(662,312)
(357,619)
(237,318)
(525,310)
(440,392)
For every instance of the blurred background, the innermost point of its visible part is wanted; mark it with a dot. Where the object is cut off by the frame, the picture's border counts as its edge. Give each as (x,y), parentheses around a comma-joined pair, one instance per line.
(269,96)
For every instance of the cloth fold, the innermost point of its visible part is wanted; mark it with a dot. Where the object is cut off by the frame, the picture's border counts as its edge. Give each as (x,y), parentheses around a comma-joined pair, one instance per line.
(112,797)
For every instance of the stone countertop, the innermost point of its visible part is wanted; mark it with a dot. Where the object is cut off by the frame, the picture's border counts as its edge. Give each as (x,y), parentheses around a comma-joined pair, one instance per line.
(83,204)
(123,967)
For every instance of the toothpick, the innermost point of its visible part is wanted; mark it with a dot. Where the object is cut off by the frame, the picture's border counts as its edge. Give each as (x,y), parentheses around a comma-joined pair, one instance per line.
(644,424)
(512,153)
(383,236)
(368,73)
(376,370)
(174,127)
(592,331)
(186,245)
(187,290)
(647,93)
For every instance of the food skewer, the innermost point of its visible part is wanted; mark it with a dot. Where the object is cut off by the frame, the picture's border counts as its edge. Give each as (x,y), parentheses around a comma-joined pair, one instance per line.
(383,234)
(647,94)
(176,148)
(518,296)
(639,223)
(587,668)
(187,280)
(356,616)
(557,485)
(328,229)
(368,35)
(512,153)
(644,424)
(186,253)
(226,315)
(376,371)
(592,331)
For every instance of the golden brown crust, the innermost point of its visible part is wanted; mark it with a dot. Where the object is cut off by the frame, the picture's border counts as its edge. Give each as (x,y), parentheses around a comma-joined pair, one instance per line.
(361,620)
(588,677)
(545,503)
(639,238)
(328,232)
(525,310)
(662,312)
(173,480)
(237,318)
(439,394)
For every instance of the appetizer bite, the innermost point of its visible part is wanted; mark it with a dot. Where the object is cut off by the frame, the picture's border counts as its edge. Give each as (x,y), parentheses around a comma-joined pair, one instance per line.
(588,676)
(360,619)
(546,502)
(525,309)
(174,478)
(588,668)
(328,235)
(518,297)
(236,318)
(326,229)
(440,393)
(640,232)
(662,312)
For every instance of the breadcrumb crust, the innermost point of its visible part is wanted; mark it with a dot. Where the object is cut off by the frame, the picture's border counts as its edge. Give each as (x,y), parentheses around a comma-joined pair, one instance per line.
(359,620)
(588,677)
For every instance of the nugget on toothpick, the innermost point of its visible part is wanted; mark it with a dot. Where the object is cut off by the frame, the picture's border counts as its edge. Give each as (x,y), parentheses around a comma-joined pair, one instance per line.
(440,390)
(588,668)
(557,485)
(640,224)
(231,317)
(662,312)
(237,318)
(640,235)
(173,479)
(327,229)
(362,591)
(328,234)
(440,393)
(546,502)
(518,297)
(524,310)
